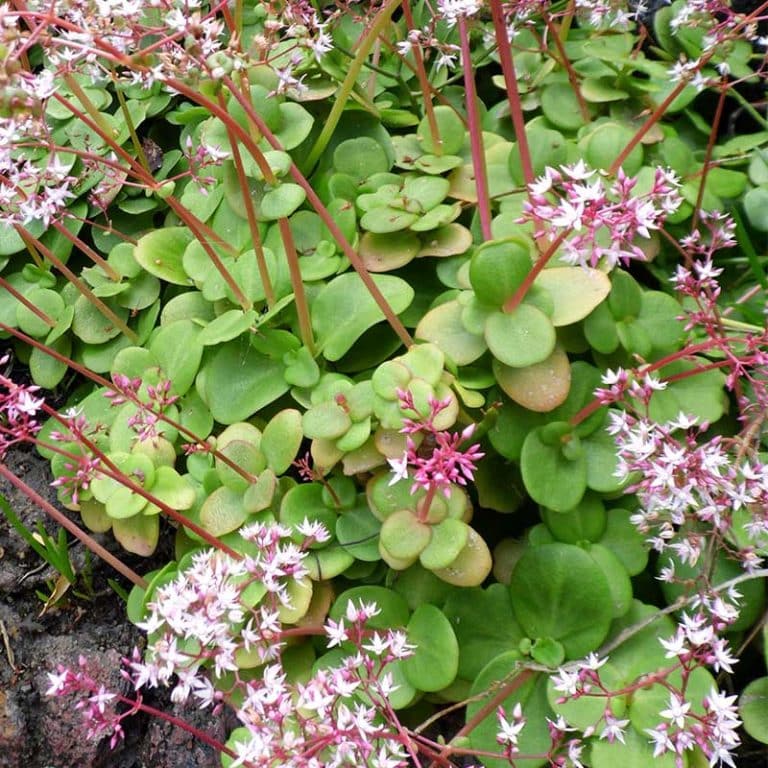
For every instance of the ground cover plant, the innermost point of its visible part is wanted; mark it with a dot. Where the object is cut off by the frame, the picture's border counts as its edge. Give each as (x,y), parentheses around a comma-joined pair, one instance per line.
(434,336)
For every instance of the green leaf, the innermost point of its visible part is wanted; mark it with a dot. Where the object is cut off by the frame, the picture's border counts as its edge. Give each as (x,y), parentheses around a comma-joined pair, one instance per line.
(481,640)
(383,253)
(360,158)
(498,268)
(403,536)
(449,537)
(238,382)
(701,394)
(540,387)
(172,489)
(635,752)
(226,327)
(450,129)
(616,577)
(625,541)
(138,534)
(472,566)
(560,106)
(559,591)
(753,709)
(347,297)
(48,302)
(178,351)
(282,201)
(281,440)
(443,326)
(435,660)
(575,291)
(357,530)
(520,338)
(393,610)
(223,511)
(585,522)
(160,253)
(550,478)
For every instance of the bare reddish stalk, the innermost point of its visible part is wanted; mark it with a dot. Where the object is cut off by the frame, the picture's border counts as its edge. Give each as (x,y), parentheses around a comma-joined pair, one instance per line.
(26,302)
(475,134)
(299,294)
(253,224)
(421,74)
(708,157)
(513,92)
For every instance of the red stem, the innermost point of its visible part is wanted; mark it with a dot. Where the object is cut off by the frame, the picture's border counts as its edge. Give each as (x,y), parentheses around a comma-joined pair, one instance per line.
(475,134)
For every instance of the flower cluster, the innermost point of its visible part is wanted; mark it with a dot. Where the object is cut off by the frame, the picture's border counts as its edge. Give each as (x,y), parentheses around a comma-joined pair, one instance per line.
(691,489)
(596,220)
(144,421)
(438,461)
(202,627)
(18,411)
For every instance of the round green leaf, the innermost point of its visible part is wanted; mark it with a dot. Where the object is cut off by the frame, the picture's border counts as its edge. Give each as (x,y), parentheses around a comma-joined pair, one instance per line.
(360,158)
(435,660)
(616,575)
(383,253)
(160,253)
(550,478)
(138,534)
(282,201)
(540,387)
(756,207)
(603,145)
(472,565)
(560,106)
(238,382)
(753,709)
(585,522)
(357,530)
(449,537)
(172,489)
(443,326)
(223,511)
(403,536)
(575,291)
(226,326)
(178,351)
(520,338)
(347,297)
(559,591)
(393,610)
(48,302)
(635,752)
(281,440)
(481,640)
(450,132)
(498,268)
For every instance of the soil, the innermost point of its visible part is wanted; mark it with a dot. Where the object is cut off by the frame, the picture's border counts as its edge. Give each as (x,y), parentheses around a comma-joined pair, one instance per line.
(41,732)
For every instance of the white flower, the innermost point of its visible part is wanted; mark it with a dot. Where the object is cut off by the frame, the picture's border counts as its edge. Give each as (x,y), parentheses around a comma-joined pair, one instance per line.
(453,10)
(399,469)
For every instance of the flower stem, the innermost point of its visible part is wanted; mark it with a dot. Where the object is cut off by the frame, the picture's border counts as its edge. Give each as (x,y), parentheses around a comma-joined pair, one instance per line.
(475,134)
